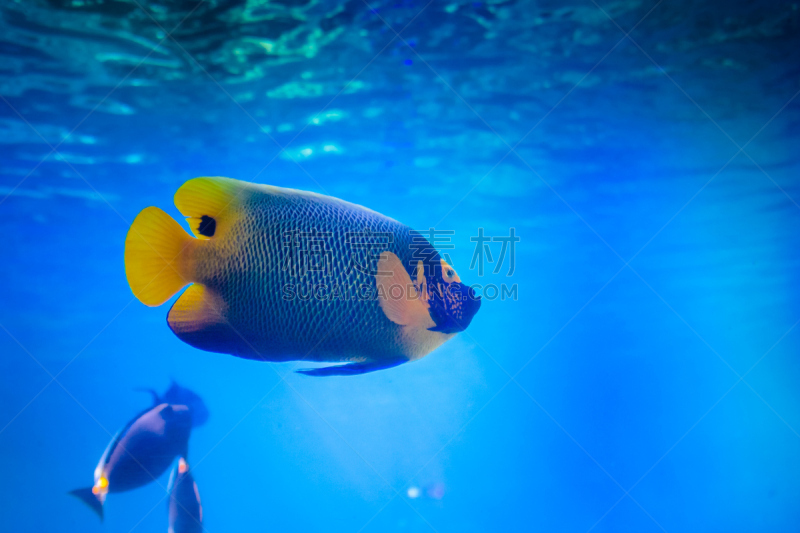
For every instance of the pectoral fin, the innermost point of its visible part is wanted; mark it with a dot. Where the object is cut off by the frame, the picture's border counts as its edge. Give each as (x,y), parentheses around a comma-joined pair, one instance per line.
(351,369)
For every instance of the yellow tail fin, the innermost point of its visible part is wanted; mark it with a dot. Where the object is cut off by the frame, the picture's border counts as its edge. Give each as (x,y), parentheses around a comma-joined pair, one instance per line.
(155,257)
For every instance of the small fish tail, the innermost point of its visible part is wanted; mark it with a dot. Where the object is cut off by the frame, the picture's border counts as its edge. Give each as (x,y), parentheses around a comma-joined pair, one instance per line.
(156,257)
(89,498)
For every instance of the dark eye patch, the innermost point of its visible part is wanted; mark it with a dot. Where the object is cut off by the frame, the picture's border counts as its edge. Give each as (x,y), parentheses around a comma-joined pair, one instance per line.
(450,273)
(207,227)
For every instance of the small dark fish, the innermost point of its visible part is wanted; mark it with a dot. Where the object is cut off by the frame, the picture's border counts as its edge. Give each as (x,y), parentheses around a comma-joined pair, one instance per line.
(138,454)
(177,395)
(185,510)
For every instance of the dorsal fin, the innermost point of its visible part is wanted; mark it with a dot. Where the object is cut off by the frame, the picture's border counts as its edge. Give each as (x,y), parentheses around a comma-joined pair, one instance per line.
(153,393)
(206,202)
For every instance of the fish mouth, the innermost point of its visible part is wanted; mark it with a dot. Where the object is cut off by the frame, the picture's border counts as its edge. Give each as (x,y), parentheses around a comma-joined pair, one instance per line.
(467,301)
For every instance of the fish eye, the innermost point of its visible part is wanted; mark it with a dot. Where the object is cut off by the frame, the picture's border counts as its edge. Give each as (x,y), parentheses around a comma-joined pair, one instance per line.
(448,273)
(207,227)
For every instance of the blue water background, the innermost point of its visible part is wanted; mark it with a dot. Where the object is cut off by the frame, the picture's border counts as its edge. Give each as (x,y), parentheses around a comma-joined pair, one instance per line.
(646,378)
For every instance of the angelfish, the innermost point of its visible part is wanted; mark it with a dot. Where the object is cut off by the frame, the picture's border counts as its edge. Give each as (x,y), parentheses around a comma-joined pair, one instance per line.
(142,451)
(279,274)
(184,508)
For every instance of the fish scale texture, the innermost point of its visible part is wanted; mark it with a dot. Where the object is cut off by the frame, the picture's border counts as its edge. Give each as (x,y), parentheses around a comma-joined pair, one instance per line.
(298,283)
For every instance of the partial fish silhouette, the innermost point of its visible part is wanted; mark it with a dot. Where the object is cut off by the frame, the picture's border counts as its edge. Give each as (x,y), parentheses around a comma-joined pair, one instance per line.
(177,395)
(185,510)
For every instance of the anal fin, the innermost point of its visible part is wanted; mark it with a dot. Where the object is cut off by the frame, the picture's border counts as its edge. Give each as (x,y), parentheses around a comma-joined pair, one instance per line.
(351,369)
(196,309)
(198,318)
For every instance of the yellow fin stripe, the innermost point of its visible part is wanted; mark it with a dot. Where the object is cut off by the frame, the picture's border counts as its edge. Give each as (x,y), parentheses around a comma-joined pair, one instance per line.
(213,197)
(196,309)
(210,196)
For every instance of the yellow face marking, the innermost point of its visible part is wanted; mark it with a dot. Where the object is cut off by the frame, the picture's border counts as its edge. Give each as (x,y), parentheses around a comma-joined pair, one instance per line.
(419,283)
(448,274)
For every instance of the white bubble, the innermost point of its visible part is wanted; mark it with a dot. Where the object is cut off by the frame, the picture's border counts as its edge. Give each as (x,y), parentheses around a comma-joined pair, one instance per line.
(413,492)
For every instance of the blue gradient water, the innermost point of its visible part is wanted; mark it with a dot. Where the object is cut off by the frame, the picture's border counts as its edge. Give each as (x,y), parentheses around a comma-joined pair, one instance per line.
(652,346)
